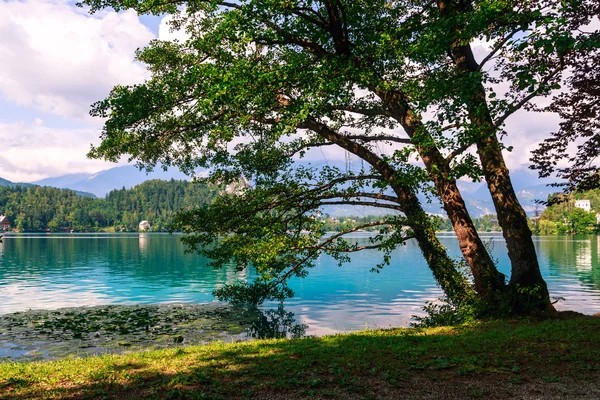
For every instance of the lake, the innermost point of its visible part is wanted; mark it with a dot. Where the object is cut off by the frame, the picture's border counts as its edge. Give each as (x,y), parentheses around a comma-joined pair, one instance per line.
(55,271)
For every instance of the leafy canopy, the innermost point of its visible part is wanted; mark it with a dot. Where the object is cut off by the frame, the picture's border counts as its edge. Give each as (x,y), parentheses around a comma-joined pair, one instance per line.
(260,83)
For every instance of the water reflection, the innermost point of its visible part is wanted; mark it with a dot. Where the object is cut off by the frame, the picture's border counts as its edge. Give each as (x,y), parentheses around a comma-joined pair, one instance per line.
(143,242)
(53,271)
(573,256)
(276,324)
(66,270)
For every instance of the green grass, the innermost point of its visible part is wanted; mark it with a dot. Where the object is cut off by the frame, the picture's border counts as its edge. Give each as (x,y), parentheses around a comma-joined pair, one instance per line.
(502,359)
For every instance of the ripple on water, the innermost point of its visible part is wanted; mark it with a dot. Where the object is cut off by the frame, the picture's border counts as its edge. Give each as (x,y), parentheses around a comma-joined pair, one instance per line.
(42,273)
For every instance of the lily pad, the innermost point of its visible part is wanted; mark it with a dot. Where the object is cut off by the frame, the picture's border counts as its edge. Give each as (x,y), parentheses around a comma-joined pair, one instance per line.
(85,331)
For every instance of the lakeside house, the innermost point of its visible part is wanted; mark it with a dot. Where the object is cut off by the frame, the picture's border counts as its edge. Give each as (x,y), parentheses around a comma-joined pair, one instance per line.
(584,205)
(4,223)
(144,226)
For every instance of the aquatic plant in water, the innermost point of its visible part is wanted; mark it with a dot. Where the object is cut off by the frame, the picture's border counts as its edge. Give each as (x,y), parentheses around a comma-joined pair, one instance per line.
(82,331)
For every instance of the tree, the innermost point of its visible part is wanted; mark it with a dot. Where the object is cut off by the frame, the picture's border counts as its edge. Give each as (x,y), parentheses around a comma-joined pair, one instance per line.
(562,217)
(261,81)
(578,105)
(582,221)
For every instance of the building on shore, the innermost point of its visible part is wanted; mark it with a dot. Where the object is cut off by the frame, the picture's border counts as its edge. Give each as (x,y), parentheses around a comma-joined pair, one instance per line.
(4,223)
(584,205)
(144,226)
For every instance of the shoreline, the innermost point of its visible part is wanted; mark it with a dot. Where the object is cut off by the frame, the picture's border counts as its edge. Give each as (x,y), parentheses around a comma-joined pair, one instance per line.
(556,359)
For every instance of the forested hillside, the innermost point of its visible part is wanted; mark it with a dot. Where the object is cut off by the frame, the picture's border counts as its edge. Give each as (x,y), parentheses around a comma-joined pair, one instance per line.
(564,218)
(37,208)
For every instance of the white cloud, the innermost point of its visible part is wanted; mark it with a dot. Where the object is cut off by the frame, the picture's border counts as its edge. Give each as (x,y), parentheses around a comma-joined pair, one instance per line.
(166,32)
(58,59)
(525,131)
(32,151)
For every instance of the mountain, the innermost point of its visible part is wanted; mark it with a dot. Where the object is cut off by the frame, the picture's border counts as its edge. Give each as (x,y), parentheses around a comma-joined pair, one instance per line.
(5,182)
(101,183)
(63,181)
(528,186)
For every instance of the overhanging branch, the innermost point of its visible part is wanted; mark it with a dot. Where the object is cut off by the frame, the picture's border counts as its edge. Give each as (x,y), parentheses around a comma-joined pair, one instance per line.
(377,196)
(362,203)
(518,105)
(497,48)
(378,138)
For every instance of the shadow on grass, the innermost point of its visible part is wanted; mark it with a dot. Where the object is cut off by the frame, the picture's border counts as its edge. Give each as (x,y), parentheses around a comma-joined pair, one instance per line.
(550,359)
(129,366)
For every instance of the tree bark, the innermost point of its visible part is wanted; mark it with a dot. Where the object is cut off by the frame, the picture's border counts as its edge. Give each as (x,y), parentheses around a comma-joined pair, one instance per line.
(487,279)
(527,285)
(444,269)
(529,290)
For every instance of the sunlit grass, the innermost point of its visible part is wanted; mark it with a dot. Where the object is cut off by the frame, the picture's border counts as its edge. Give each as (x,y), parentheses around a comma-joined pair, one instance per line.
(465,361)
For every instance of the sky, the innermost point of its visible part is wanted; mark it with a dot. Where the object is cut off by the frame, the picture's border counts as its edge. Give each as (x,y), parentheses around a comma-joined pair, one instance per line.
(56,60)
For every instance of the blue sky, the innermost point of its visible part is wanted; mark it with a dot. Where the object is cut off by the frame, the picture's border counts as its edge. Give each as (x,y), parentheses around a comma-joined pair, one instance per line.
(56,60)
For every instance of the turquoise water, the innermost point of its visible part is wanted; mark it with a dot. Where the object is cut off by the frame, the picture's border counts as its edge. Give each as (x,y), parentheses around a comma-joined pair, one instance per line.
(55,271)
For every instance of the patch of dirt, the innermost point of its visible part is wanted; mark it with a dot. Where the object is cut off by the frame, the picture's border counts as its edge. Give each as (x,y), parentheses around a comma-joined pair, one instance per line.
(426,388)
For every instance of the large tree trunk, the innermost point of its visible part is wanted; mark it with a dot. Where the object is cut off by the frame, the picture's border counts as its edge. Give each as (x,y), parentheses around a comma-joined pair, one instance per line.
(487,279)
(452,282)
(443,268)
(529,290)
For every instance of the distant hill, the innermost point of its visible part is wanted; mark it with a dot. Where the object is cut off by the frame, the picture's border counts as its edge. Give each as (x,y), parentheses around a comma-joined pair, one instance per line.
(7,183)
(64,181)
(42,208)
(528,186)
(101,183)
(4,182)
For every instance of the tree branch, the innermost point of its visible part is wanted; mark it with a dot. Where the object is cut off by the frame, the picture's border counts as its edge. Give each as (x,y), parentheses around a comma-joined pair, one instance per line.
(497,48)
(376,196)
(362,203)
(458,151)
(291,39)
(316,20)
(308,146)
(324,131)
(343,179)
(517,106)
(373,112)
(377,138)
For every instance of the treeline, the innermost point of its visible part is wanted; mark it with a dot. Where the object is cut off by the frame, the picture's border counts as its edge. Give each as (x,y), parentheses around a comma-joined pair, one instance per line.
(38,209)
(487,223)
(563,217)
(340,224)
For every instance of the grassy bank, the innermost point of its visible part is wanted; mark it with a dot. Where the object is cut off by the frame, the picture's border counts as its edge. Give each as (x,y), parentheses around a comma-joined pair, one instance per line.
(508,359)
